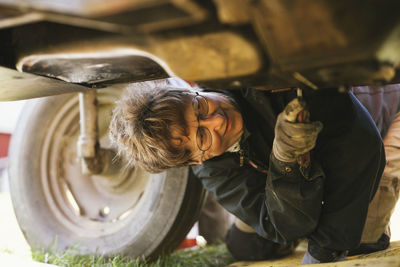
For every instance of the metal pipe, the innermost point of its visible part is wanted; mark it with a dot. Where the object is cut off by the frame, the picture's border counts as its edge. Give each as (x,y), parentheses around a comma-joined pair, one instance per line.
(88,121)
(88,146)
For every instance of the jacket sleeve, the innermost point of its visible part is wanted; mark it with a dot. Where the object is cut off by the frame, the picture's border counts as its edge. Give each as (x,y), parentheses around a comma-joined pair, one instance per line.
(281,206)
(382,103)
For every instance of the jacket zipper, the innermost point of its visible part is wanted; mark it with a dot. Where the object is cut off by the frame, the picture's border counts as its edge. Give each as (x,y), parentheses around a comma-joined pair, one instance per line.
(241,157)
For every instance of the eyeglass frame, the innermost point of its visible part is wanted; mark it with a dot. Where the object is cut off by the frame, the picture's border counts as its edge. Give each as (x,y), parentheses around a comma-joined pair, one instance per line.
(195,105)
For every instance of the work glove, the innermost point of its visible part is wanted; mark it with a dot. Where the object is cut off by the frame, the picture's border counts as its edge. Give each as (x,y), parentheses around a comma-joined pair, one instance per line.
(308,259)
(294,138)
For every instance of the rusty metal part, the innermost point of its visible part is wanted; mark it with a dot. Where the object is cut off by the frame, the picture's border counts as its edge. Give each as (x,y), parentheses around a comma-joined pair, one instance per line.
(88,124)
(103,163)
(88,148)
(94,159)
(17,86)
(99,66)
(198,57)
(208,56)
(321,40)
(13,20)
(117,15)
(304,81)
(265,42)
(233,11)
(219,55)
(90,68)
(91,8)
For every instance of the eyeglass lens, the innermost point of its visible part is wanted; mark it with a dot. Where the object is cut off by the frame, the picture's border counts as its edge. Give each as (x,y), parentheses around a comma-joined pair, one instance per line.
(203,136)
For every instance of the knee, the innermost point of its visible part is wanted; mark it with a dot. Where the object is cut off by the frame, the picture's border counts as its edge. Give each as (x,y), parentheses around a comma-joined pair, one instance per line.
(252,247)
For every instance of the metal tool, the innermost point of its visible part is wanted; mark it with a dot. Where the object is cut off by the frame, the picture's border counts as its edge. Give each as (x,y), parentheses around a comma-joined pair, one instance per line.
(303,116)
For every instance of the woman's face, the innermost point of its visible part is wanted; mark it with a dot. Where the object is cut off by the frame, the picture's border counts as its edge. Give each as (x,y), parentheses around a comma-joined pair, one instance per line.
(223,121)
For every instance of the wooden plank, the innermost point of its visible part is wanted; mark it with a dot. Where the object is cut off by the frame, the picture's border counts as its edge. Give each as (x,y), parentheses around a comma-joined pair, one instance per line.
(386,258)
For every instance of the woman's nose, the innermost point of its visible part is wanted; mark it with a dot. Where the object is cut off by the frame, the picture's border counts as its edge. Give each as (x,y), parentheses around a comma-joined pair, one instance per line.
(213,121)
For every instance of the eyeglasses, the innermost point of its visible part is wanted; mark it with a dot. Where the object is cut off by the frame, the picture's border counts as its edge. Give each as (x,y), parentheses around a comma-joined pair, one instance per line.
(203,135)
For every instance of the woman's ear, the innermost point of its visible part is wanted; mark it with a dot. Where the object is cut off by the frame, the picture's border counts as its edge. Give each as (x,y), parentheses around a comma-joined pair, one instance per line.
(177,142)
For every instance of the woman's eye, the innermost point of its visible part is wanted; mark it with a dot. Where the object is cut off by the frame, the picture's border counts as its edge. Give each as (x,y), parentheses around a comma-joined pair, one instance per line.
(204,138)
(201,137)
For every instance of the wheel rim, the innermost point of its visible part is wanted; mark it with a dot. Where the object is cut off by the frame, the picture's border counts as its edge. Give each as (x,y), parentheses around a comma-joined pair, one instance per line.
(95,205)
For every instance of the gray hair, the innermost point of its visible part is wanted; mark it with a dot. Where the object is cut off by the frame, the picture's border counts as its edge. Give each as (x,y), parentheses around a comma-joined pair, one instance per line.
(143,121)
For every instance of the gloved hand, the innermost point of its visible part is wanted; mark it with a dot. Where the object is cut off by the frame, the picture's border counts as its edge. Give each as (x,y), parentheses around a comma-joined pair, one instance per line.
(308,259)
(294,138)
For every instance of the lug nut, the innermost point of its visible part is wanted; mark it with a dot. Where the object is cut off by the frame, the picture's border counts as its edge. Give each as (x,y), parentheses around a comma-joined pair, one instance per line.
(105,211)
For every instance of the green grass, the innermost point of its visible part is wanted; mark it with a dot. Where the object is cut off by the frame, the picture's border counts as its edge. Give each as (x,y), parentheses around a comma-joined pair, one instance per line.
(6,251)
(210,256)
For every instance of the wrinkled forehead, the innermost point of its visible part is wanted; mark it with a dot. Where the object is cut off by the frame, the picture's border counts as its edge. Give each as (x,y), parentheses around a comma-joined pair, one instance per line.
(183,122)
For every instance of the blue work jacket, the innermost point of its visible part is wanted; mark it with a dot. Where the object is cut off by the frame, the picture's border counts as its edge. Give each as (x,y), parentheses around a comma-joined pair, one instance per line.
(328,201)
